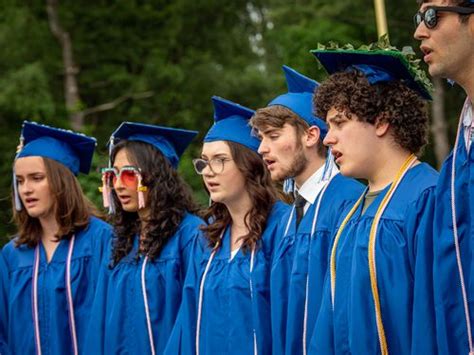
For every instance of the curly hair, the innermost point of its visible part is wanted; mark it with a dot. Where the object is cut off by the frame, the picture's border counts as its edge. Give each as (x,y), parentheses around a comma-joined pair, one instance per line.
(262,194)
(72,208)
(392,102)
(169,198)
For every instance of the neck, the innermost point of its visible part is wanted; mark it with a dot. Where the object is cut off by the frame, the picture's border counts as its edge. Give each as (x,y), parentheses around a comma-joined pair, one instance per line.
(143,214)
(49,227)
(237,210)
(386,169)
(313,165)
(466,81)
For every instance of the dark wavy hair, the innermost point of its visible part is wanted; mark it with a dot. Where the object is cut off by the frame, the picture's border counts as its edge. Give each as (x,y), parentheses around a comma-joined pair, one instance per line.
(262,194)
(392,102)
(169,198)
(71,207)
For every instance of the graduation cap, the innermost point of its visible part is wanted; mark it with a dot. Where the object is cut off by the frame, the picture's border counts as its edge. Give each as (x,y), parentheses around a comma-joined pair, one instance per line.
(73,150)
(171,142)
(377,65)
(231,123)
(299,98)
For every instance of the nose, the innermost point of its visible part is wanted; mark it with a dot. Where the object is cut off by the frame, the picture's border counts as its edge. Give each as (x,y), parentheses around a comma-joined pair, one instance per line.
(263,147)
(330,139)
(421,32)
(25,187)
(118,184)
(206,172)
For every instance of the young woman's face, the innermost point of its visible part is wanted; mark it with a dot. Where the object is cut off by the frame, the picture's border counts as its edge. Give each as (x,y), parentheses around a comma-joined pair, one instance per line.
(223,180)
(126,186)
(33,187)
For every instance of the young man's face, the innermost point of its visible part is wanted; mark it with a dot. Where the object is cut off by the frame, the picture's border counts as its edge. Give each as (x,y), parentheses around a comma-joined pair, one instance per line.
(353,144)
(282,151)
(448,48)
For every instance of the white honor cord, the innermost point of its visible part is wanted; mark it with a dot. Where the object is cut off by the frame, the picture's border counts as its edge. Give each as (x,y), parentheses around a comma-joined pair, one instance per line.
(72,324)
(72,321)
(313,228)
(201,293)
(35,301)
(147,309)
(252,257)
(456,237)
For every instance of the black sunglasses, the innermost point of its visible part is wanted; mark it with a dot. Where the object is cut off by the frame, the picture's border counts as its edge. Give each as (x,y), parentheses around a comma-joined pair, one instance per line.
(430,16)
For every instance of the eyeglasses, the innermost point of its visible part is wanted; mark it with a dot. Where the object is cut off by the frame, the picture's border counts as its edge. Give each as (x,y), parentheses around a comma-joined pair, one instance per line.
(128,175)
(216,165)
(430,15)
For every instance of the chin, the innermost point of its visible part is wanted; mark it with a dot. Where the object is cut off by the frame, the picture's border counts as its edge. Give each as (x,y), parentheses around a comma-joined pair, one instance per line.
(130,209)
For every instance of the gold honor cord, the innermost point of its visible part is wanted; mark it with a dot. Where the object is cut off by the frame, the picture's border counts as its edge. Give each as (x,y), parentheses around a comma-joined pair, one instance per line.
(336,241)
(372,238)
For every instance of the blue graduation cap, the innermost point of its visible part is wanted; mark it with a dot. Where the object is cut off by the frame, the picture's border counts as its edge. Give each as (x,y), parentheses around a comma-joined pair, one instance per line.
(299,98)
(377,65)
(171,142)
(74,150)
(231,123)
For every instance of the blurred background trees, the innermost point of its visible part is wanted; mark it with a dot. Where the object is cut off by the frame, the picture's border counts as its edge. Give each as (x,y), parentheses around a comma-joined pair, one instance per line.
(91,65)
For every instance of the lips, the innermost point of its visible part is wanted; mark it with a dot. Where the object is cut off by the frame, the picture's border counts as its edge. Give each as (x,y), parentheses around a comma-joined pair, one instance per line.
(427,53)
(337,155)
(211,185)
(30,201)
(124,199)
(269,162)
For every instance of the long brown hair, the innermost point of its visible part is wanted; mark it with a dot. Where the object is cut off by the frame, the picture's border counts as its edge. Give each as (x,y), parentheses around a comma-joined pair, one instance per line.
(169,199)
(72,208)
(262,194)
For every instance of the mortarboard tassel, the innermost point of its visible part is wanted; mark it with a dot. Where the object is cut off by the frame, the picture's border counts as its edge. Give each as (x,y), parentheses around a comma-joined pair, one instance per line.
(18,205)
(15,192)
(289,186)
(105,192)
(141,196)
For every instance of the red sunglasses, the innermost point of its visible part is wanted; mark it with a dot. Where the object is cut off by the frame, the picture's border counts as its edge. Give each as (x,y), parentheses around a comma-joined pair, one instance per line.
(128,175)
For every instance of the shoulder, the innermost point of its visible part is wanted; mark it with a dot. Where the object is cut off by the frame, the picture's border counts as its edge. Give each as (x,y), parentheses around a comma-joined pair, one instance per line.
(17,256)
(419,180)
(342,188)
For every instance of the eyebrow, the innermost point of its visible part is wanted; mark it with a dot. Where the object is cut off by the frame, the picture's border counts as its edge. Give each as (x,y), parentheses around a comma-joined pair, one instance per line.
(337,116)
(32,174)
(217,155)
(270,130)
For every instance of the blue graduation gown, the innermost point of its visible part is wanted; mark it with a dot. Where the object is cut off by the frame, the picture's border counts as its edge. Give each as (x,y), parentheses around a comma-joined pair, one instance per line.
(229,312)
(300,258)
(451,321)
(89,247)
(404,276)
(3,305)
(118,322)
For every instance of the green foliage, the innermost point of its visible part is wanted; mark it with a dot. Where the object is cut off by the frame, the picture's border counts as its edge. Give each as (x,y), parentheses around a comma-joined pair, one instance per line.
(160,62)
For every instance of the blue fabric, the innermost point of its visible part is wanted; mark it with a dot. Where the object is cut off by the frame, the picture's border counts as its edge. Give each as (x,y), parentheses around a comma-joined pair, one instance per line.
(228,313)
(74,150)
(118,321)
(172,142)
(450,319)
(231,123)
(299,257)
(374,74)
(391,62)
(3,305)
(299,98)
(404,275)
(89,248)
